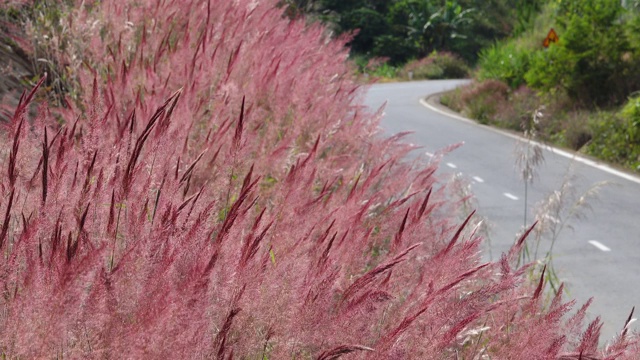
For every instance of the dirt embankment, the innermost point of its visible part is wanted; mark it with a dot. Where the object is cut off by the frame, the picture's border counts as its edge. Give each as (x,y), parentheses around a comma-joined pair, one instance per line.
(16,68)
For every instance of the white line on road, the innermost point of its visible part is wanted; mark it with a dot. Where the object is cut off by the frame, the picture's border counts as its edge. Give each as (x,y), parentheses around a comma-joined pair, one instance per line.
(510,196)
(429,154)
(599,245)
(478,179)
(451,165)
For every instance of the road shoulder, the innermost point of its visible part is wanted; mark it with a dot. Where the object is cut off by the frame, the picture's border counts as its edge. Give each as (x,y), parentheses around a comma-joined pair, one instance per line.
(432,102)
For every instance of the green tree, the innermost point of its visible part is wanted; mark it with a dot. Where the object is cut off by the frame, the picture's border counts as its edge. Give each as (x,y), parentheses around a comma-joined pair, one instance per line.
(448,23)
(418,27)
(407,19)
(367,24)
(492,20)
(365,19)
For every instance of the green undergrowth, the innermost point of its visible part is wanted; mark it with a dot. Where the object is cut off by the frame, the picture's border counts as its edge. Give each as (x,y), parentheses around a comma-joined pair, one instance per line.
(438,65)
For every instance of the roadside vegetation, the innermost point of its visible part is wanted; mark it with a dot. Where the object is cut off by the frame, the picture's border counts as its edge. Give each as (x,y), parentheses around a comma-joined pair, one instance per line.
(402,30)
(586,83)
(199,180)
(388,36)
(438,65)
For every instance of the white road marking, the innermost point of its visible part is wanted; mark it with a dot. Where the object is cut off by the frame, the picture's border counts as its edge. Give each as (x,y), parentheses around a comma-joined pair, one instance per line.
(429,154)
(478,179)
(566,154)
(599,245)
(510,196)
(451,165)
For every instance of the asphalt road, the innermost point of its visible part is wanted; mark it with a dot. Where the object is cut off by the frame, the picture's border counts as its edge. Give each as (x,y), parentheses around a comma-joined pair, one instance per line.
(599,258)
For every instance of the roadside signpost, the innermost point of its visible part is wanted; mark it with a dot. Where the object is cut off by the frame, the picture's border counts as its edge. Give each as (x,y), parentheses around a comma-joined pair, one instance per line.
(552,37)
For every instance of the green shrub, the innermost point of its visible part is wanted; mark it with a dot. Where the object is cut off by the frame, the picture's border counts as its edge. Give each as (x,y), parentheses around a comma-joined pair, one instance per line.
(452,100)
(631,115)
(547,69)
(384,70)
(453,67)
(376,67)
(507,62)
(438,65)
(613,139)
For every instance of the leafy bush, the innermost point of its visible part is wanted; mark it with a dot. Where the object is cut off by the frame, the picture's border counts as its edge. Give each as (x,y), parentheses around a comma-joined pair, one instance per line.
(610,139)
(507,62)
(216,191)
(616,137)
(631,114)
(376,67)
(438,65)
(452,100)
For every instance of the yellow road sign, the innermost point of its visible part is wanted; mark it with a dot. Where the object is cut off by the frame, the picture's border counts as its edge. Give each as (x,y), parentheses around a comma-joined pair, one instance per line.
(552,37)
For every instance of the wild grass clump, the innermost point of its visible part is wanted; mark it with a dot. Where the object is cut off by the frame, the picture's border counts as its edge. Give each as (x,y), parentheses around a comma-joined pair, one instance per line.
(438,65)
(494,102)
(481,100)
(215,190)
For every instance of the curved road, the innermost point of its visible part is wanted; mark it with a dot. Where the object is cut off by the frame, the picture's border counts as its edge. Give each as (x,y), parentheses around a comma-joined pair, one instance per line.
(600,257)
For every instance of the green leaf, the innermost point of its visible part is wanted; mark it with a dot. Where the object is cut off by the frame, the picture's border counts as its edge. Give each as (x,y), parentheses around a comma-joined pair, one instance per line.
(272,255)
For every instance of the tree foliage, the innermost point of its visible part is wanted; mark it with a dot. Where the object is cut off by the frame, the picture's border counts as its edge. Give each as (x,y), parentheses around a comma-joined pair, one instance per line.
(404,29)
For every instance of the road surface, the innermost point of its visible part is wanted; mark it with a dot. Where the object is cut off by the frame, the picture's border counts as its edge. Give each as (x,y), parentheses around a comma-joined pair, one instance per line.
(600,257)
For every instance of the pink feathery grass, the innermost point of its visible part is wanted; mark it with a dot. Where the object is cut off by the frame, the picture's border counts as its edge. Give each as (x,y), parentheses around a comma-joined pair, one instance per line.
(214,189)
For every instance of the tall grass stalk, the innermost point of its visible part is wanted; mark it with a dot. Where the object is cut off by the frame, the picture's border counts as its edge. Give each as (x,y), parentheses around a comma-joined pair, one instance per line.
(556,213)
(529,156)
(558,210)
